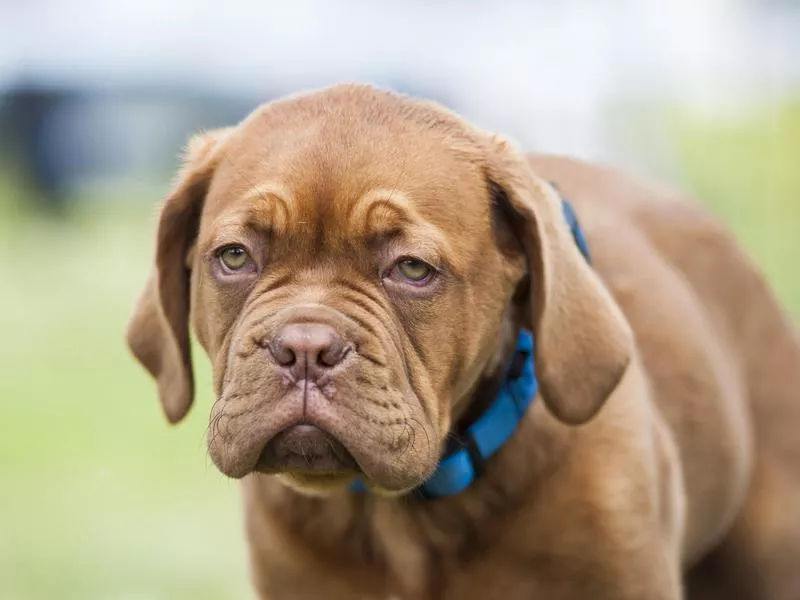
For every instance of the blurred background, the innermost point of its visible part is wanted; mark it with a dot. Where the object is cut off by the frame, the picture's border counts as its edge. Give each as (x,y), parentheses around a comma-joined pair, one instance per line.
(99,498)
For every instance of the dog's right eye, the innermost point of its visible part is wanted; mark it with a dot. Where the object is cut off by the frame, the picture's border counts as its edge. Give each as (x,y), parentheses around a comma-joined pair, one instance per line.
(412,271)
(234,258)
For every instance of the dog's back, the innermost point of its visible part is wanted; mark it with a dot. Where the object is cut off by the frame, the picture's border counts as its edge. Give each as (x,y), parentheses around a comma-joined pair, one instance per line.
(725,372)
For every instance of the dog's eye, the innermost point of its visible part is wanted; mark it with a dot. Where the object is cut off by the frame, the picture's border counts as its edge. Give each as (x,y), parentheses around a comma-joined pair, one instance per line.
(234,258)
(413,271)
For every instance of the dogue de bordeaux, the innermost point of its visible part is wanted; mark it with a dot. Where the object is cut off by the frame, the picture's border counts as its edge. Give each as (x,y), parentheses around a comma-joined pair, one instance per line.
(447,370)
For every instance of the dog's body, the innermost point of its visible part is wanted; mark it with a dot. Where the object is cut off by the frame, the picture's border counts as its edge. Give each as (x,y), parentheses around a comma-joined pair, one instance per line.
(690,472)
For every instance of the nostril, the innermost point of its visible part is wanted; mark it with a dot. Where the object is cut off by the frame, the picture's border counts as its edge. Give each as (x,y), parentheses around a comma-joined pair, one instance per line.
(283,354)
(291,359)
(333,355)
(329,357)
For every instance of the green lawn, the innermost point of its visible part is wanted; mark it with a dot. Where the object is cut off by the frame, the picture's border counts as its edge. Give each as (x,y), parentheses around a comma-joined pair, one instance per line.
(748,171)
(100,498)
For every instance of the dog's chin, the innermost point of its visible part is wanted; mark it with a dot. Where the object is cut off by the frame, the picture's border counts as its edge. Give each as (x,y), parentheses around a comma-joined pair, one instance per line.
(321,485)
(316,484)
(383,492)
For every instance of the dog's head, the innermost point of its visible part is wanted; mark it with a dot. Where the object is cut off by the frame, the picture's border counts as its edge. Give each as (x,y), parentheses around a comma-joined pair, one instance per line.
(354,263)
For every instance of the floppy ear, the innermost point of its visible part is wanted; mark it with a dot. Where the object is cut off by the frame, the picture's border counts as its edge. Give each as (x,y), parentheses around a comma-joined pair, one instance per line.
(158,332)
(583,343)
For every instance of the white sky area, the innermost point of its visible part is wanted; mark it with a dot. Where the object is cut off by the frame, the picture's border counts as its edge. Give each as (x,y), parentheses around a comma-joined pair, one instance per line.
(553,64)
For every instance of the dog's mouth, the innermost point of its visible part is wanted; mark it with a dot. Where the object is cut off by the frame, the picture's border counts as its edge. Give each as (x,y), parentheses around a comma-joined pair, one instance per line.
(305,449)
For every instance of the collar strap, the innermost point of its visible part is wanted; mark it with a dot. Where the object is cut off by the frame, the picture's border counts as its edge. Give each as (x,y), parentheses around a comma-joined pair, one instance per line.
(571,217)
(464,461)
(480,441)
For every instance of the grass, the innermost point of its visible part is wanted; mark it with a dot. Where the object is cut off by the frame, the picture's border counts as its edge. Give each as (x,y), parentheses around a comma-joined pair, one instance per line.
(747,170)
(99,498)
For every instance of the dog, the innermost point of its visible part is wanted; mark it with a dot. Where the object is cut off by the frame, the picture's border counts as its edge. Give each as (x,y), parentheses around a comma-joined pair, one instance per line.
(447,370)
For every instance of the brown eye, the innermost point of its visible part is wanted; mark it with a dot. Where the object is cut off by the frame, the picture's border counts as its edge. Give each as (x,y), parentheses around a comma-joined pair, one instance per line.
(234,258)
(414,271)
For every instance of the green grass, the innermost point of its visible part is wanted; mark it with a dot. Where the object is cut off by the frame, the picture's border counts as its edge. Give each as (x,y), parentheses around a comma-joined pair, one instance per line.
(748,171)
(100,499)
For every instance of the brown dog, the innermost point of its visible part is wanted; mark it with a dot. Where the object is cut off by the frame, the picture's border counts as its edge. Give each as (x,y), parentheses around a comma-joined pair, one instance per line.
(358,265)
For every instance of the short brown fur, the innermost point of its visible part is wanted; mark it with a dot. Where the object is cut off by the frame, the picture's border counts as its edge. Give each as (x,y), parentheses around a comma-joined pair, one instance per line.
(662,460)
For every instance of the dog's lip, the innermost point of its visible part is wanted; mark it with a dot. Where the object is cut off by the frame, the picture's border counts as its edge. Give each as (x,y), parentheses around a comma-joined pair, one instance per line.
(305,448)
(386,457)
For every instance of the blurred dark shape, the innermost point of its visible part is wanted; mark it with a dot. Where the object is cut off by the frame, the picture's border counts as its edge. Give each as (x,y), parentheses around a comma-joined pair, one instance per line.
(55,139)
(25,120)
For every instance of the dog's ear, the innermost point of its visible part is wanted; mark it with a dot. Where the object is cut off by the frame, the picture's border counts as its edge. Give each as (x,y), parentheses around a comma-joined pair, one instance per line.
(158,332)
(583,343)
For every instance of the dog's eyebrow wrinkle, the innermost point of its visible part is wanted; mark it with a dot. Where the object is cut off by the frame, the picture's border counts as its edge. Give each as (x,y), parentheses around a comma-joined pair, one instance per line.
(268,206)
(380,212)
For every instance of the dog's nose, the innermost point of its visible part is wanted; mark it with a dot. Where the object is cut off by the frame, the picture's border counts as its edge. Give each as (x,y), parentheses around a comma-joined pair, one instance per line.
(308,348)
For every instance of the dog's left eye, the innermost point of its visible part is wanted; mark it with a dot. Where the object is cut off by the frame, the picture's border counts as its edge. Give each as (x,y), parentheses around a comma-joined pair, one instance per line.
(413,271)
(234,258)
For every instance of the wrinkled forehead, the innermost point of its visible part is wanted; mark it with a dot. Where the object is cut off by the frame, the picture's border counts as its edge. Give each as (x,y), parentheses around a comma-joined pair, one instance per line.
(348,176)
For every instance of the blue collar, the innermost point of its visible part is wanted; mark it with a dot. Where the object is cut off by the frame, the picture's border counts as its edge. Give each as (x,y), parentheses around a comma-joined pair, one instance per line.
(464,461)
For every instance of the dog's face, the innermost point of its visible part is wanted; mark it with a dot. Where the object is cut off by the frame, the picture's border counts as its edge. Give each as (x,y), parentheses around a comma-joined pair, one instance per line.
(353,263)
